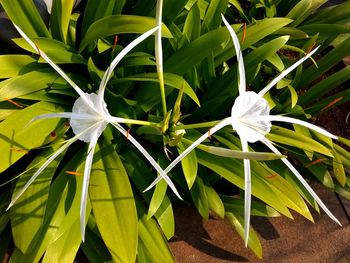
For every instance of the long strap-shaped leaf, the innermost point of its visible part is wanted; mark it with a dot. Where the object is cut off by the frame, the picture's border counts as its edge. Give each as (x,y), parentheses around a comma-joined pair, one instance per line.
(217,127)
(156,166)
(302,180)
(286,72)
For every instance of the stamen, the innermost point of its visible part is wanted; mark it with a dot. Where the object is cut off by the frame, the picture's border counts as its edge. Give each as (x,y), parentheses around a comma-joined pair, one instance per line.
(19,150)
(332,103)
(315,162)
(67,124)
(127,134)
(73,173)
(271,176)
(115,43)
(14,103)
(209,133)
(244,32)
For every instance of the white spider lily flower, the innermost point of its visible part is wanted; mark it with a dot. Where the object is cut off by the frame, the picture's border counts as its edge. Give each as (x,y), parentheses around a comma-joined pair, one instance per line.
(250,117)
(88,119)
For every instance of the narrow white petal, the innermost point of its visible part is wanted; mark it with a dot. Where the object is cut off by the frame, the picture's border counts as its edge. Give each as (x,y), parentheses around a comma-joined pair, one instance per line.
(118,58)
(247,193)
(163,175)
(69,115)
(42,167)
(55,66)
(217,127)
(241,70)
(302,180)
(84,192)
(158,43)
(286,72)
(299,122)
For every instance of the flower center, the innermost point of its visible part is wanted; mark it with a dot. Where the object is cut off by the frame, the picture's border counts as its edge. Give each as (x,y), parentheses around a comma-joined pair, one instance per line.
(98,117)
(245,116)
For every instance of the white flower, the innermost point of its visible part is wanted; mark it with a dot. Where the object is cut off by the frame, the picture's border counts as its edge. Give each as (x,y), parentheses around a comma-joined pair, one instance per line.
(89,118)
(250,117)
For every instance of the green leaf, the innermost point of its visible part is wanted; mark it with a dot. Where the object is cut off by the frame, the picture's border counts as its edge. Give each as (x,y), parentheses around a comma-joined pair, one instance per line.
(293,95)
(332,15)
(292,138)
(326,85)
(60,17)
(199,197)
(276,192)
(234,205)
(253,239)
(255,32)
(189,165)
(338,169)
(97,9)
(262,53)
(65,248)
(25,15)
(16,139)
(192,24)
(319,170)
(27,214)
(303,9)
(212,18)
(151,240)
(238,154)
(113,203)
(25,84)
(58,52)
(14,65)
(325,63)
(171,80)
(119,24)
(214,202)
(62,210)
(189,56)
(157,198)
(142,177)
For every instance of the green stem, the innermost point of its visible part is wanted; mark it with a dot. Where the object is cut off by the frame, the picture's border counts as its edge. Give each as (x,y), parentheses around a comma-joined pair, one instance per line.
(143,123)
(196,125)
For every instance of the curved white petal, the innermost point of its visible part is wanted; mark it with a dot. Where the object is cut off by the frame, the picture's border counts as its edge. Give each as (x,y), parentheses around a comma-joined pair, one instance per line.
(299,122)
(156,166)
(241,70)
(87,172)
(302,180)
(217,127)
(118,58)
(69,115)
(42,167)
(158,43)
(247,193)
(56,67)
(286,72)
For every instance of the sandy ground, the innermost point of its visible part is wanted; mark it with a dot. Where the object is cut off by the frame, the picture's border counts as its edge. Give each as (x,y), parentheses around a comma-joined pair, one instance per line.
(283,240)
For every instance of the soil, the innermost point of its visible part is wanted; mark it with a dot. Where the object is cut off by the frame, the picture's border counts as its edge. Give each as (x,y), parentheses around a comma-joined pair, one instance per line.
(282,239)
